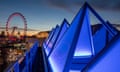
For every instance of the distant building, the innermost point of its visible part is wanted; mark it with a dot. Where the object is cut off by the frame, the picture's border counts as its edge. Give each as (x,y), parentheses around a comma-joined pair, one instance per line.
(43,34)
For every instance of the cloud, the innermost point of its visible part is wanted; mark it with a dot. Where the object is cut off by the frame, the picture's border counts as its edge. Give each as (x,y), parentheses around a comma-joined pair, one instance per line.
(99,4)
(106,4)
(63,4)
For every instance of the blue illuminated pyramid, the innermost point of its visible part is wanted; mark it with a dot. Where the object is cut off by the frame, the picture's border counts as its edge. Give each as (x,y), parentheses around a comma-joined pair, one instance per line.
(78,47)
(61,57)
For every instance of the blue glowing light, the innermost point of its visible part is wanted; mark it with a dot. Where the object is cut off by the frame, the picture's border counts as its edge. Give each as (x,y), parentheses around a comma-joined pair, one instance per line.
(74,71)
(83,53)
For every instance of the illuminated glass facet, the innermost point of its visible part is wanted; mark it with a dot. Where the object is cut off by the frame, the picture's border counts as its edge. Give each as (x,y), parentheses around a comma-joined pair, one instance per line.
(59,55)
(84,44)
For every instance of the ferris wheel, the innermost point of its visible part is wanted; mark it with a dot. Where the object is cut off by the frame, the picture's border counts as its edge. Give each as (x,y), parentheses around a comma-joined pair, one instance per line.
(8,25)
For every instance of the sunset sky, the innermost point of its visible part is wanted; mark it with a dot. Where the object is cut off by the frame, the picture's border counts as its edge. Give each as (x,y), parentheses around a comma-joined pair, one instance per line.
(42,15)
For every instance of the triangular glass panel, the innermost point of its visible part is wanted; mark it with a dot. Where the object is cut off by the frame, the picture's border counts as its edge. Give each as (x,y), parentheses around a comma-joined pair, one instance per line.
(84,49)
(45,43)
(100,29)
(49,37)
(84,46)
(62,30)
(98,36)
(51,42)
(108,60)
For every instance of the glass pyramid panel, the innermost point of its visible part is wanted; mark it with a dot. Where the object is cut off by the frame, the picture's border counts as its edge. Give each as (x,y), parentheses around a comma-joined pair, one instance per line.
(51,42)
(62,30)
(84,45)
(108,60)
(58,57)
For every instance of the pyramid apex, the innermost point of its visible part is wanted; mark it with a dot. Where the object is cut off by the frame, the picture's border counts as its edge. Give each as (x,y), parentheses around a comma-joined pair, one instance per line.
(65,20)
(57,26)
(86,3)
